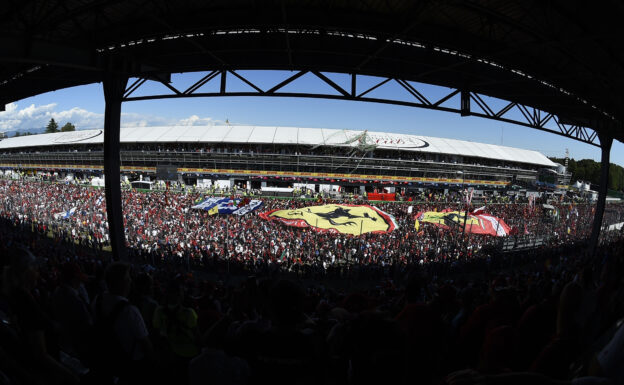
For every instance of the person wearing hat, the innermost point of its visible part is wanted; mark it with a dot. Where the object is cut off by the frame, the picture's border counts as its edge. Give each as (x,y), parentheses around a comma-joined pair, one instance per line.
(71,309)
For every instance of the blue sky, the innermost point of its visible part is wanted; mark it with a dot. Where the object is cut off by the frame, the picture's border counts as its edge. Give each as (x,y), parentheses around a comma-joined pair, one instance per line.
(84,106)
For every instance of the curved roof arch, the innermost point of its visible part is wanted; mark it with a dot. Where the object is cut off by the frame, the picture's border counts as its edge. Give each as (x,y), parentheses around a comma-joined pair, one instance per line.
(563,57)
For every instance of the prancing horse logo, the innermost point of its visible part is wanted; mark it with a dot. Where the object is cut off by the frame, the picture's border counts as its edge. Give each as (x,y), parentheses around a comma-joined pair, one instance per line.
(347,219)
(339,212)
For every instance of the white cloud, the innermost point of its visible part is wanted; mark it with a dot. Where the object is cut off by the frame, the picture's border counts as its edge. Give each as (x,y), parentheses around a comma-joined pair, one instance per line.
(35,117)
(195,120)
(131,119)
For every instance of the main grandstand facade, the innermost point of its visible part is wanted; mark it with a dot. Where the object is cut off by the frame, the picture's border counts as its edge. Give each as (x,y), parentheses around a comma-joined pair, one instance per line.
(281,156)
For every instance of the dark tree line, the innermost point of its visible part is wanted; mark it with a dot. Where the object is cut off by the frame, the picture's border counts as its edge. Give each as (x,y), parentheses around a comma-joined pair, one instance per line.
(52,127)
(588,170)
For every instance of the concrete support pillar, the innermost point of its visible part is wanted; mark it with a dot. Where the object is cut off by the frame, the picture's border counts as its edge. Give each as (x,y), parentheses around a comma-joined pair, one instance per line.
(605,143)
(114,86)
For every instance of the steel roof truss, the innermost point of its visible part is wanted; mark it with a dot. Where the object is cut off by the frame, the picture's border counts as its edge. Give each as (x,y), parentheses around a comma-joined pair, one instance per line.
(529,116)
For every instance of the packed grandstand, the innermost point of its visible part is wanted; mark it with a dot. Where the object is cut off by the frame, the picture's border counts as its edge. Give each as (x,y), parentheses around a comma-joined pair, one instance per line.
(269,255)
(317,159)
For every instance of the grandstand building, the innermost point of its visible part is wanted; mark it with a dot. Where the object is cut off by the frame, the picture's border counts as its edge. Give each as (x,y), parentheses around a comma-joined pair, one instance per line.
(285,156)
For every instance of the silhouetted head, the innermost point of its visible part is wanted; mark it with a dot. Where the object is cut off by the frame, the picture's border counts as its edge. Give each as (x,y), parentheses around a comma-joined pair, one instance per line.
(118,279)
(286,300)
(22,271)
(144,284)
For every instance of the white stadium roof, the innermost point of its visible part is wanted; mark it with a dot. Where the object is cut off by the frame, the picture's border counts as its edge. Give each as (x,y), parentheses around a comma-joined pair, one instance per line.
(286,135)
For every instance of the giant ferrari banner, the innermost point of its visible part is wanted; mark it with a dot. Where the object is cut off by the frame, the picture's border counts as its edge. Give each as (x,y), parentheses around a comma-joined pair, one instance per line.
(475,223)
(346,219)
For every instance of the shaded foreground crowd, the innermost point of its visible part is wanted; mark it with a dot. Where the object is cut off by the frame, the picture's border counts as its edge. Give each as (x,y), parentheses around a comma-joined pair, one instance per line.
(71,315)
(549,316)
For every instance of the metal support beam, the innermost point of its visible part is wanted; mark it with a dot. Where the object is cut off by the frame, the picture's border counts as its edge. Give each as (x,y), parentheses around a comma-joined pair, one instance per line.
(509,112)
(223,82)
(605,145)
(464,108)
(114,87)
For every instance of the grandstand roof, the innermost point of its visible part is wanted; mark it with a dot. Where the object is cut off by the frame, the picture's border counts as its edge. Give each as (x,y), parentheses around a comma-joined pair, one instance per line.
(287,135)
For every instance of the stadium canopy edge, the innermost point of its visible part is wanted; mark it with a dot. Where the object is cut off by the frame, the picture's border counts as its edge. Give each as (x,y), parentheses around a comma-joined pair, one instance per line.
(558,58)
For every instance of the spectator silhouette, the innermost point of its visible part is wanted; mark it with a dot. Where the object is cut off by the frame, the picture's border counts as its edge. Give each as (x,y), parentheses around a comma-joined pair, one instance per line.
(37,332)
(71,310)
(127,347)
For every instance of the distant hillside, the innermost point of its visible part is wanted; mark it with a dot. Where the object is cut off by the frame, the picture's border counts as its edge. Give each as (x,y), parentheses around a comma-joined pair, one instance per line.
(32,131)
(588,170)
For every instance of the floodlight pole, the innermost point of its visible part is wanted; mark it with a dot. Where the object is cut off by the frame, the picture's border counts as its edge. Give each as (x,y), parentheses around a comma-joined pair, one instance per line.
(605,145)
(114,86)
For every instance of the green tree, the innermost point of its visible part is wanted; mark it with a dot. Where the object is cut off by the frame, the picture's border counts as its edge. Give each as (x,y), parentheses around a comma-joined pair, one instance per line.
(52,127)
(68,127)
(616,177)
(588,170)
(17,133)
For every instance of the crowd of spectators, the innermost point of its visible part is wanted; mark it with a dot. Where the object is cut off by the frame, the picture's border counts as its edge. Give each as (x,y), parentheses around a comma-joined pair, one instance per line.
(161,227)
